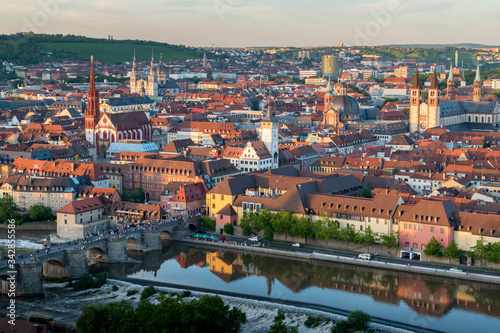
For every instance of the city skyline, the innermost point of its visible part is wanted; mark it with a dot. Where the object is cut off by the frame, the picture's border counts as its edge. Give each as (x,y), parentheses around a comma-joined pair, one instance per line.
(259,23)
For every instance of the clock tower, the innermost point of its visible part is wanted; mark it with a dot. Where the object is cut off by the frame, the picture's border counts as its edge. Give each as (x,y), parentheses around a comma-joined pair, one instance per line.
(269,135)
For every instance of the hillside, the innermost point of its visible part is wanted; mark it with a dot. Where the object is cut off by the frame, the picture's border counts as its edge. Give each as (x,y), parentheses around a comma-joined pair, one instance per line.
(30,48)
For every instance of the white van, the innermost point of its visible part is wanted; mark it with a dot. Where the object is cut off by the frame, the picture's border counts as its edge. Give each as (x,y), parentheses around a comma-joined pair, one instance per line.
(365,256)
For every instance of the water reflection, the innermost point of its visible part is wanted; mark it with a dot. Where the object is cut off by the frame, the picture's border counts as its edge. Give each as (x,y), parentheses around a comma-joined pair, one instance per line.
(426,295)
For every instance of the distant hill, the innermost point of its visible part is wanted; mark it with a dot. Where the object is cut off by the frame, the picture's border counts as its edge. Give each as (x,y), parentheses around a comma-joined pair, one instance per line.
(440,46)
(30,48)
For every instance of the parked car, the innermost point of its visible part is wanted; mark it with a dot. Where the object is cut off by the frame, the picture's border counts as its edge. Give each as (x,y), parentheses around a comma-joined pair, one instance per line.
(254,239)
(454,269)
(296,244)
(366,256)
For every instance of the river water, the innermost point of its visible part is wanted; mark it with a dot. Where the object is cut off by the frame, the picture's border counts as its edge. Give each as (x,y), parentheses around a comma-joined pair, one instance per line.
(428,302)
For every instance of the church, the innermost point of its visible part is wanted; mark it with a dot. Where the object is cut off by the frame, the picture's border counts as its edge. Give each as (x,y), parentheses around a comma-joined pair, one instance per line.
(339,109)
(157,84)
(468,115)
(103,129)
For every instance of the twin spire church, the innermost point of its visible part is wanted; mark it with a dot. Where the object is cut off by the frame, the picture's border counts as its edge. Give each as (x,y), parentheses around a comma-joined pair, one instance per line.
(157,84)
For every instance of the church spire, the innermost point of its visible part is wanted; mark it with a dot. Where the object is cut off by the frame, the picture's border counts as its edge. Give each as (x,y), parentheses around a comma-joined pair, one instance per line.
(478,86)
(450,76)
(416,80)
(434,81)
(478,75)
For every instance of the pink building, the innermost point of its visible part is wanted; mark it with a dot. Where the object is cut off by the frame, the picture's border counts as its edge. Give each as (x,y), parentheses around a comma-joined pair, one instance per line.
(417,224)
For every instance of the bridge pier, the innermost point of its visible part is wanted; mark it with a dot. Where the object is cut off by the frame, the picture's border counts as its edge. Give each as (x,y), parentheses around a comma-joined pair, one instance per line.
(117,249)
(28,280)
(151,239)
(77,261)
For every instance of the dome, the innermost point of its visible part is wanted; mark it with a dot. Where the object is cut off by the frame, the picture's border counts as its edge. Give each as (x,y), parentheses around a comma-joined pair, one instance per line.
(344,104)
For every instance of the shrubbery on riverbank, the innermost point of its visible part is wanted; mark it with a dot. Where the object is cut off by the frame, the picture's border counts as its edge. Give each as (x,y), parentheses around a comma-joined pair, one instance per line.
(171,314)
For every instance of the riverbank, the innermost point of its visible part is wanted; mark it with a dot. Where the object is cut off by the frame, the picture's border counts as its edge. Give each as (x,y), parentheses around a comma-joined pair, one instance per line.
(380,263)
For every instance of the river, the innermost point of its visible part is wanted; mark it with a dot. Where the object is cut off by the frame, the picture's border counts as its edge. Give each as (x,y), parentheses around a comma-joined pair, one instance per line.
(428,302)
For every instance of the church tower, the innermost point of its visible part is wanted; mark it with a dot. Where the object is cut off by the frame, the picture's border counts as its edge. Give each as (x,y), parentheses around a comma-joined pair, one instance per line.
(415,95)
(152,89)
(269,135)
(434,113)
(450,90)
(328,95)
(133,78)
(92,114)
(477,86)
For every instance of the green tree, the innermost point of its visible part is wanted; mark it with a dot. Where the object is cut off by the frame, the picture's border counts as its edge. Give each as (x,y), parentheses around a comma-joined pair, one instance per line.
(433,248)
(368,238)
(452,250)
(8,210)
(478,252)
(493,253)
(282,223)
(112,317)
(348,235)
(327,229)
(228,228)
(358,320)
(40,213)
(390,241)
(366,192)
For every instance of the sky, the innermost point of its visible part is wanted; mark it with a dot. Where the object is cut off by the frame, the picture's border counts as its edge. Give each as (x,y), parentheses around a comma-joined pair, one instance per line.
(240,23)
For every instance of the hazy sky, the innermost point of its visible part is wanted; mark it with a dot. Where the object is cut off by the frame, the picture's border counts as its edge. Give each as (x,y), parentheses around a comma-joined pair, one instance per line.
(261,22)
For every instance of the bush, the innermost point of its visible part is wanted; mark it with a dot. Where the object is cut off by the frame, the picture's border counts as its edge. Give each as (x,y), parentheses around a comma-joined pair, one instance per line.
(246,230)
(132,292)
(313,321)
(358,320)
(148,291)
(114,288)
(86,281)
(228,228)
(185,293)
(340,327)
(208,223)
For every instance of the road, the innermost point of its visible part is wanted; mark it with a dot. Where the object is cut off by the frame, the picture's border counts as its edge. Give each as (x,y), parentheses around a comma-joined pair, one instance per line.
(335,252)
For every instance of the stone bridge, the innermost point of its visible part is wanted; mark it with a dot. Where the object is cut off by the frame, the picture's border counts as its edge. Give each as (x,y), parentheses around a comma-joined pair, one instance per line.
(71,260)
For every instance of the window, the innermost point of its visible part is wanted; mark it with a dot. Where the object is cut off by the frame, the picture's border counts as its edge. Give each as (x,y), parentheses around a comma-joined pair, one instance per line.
(432,229)
(407,244)
(65,221)
(442,230)
(415,246)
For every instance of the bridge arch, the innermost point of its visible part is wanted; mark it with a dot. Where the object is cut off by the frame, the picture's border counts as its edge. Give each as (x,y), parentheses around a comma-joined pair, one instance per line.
(132,244)
(165,235)
(55,269)
(96,254)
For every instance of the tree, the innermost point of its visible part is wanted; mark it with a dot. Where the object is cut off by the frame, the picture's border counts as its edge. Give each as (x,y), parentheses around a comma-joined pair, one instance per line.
(40,213)
(282,222)
(493,253)
(390,241)
(358,320)
(433,248)
(228,228)
(452,250)
(348,235)
(137,195)
(368,238)
(169,314)
(478,252)
(327,229)
(8,210)
(366,192)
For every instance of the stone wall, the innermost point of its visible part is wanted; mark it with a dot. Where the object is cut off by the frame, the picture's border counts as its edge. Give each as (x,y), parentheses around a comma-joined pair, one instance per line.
(117,250)
(151,239)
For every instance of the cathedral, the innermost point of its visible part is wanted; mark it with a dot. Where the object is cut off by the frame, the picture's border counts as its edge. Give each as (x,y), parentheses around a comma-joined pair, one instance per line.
(339,109)
(467,115)
(103,129)
(157,84)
